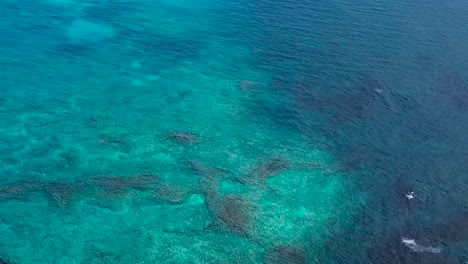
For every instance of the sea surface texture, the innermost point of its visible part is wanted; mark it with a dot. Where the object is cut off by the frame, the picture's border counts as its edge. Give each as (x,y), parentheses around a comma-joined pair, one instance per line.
(233,131)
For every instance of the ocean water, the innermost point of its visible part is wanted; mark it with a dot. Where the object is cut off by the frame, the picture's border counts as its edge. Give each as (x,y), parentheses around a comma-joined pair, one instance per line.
(235,131)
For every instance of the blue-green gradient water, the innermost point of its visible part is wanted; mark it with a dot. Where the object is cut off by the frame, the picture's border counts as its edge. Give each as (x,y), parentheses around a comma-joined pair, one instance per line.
(234,131)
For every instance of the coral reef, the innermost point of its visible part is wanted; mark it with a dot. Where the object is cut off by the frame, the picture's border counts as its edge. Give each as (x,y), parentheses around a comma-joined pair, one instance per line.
(282,254)
(210,178)
(170,194)
(266,169)
(233,213)
(63,193)
(117,187)
(19,190)
(107,187)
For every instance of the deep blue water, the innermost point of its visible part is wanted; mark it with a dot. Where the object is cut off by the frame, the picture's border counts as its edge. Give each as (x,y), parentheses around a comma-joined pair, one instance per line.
(233,131)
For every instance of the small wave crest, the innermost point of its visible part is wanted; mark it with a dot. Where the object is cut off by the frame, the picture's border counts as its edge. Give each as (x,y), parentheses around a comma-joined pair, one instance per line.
(411,244)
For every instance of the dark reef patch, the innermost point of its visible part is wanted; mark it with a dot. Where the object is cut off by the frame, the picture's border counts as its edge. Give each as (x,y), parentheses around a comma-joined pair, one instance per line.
(266,169)
(210,179)
(282,254)
(62,194)
(20,190)
(116,187)
(101,188)
(170,194)
(233,213)
(206,171)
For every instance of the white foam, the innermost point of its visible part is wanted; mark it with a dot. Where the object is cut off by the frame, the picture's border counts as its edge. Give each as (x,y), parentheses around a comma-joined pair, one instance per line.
(411,244)
(409,195)
(377,90)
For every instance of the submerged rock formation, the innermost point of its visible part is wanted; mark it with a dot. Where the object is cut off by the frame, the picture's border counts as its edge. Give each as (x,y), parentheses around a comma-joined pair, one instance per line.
(170,194)
(233,213)
(283,254)
(210,178)
(115,187)
(265,169)
(63,193)
(19,190)
(101,187)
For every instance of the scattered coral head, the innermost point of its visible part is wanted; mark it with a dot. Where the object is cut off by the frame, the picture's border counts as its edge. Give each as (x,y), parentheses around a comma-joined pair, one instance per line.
(170,194)
(19,190)
(234,213)
(111,186)
(63,193)
(282,254)
(266,169)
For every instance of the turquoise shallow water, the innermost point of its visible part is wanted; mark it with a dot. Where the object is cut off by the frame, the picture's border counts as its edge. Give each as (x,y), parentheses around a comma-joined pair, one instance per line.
(233,131)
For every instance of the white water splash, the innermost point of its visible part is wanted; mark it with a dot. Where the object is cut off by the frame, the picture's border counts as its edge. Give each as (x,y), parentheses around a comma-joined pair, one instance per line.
(411,244)
(409,195)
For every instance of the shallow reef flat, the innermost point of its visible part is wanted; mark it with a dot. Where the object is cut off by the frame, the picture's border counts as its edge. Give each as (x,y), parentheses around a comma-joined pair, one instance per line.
(147,147)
